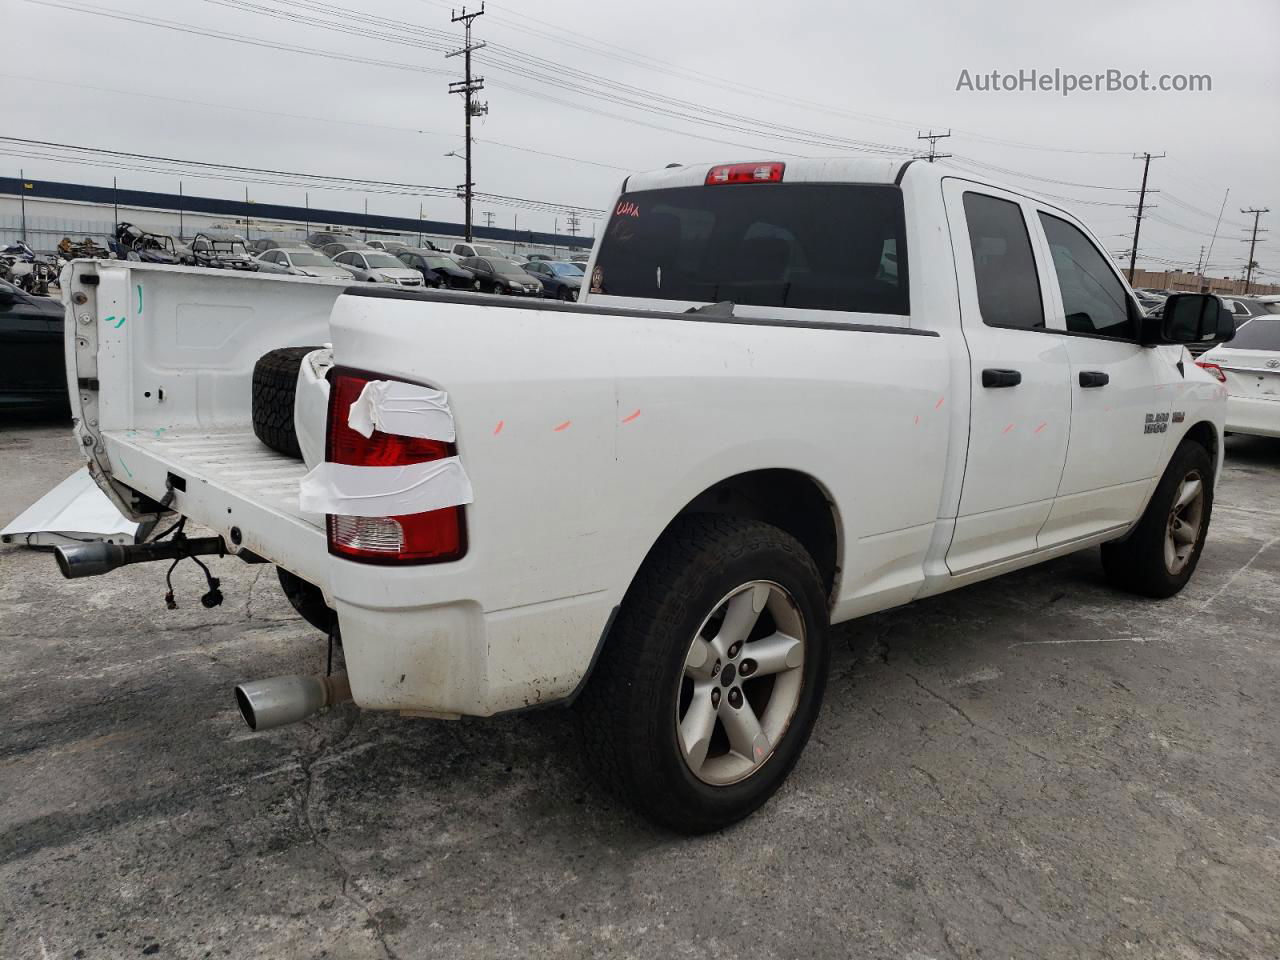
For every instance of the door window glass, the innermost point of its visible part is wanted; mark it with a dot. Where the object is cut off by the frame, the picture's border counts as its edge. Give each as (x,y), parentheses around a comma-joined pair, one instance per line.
(1093,297)
(1004,267)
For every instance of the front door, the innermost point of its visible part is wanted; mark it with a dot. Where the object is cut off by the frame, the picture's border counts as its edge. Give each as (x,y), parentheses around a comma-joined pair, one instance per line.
(1122,392)
(1021,400)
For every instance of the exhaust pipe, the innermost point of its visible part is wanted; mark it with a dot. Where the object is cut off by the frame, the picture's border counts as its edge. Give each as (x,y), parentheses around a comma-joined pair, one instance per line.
(95,559)
(267,704)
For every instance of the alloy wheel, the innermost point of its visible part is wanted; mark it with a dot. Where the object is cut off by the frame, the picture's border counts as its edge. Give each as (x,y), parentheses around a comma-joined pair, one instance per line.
(741,684)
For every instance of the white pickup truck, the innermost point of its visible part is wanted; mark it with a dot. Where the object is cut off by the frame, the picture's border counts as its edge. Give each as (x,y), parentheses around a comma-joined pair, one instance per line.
(792,394)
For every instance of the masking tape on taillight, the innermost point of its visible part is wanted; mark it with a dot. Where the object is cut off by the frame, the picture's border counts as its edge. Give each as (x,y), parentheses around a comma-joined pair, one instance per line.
(404,409)
(385,491)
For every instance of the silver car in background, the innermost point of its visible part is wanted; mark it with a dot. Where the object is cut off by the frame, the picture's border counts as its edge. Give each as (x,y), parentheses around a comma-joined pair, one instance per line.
(301,262)
(376,266)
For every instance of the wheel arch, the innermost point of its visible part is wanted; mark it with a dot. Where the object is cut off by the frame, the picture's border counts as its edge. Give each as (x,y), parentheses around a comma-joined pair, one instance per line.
(1206,435)
(792,500)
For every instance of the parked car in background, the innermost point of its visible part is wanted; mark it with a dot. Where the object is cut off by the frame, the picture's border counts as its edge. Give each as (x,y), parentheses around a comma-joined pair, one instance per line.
(33,372)
(339,246)
(1249,366)
(465,250)
(263,244)
(499,275)
(323,237)
(222,251)
(301,263)
(439,270)
(134,243)
(378,266)
(540,256)
(1244,309)
(559,278)
(579,258)
(1269,302)
(1147,301)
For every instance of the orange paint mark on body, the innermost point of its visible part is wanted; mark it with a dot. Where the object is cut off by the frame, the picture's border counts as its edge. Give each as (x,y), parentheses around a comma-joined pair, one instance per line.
(630,418)
(498,429)
(917,419)
(939,403)
(1007,429)
(563,426)
(1041,427)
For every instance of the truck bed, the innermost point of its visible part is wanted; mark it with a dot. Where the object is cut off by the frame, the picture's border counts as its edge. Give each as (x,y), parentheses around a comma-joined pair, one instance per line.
(230,478)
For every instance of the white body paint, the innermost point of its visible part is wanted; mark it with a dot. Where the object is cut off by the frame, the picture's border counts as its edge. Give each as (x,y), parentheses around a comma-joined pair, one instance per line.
(584,434)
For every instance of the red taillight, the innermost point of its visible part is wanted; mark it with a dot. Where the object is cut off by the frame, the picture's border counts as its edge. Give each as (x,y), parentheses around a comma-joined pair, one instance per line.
(746,173)
(1214,370)
(431,537)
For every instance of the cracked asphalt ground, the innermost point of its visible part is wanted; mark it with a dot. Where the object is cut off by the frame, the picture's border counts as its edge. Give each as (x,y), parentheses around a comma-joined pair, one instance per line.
(1033,767)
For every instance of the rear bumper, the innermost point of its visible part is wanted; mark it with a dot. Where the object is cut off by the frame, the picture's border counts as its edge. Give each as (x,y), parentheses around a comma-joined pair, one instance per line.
(409,641)
(1260,418)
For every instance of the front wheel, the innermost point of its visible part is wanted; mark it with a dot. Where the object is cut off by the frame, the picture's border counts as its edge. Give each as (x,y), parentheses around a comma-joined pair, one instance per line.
(712,675)
(1160,555)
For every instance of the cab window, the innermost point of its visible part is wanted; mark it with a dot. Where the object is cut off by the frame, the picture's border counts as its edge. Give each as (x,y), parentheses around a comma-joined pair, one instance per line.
(1093,297)
(1004,267)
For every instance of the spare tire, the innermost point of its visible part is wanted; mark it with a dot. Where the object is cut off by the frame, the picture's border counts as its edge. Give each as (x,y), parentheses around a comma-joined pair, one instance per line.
(275,381)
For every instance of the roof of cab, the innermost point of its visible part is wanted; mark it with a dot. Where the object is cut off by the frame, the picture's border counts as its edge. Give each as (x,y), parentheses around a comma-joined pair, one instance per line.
(818,170)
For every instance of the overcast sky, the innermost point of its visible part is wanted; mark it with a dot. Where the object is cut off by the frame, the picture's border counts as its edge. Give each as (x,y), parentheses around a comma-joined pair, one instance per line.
(867,75)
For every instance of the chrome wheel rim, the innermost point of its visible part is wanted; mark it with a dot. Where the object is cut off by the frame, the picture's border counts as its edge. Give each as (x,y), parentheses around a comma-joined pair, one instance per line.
(741,683)
(1185,518)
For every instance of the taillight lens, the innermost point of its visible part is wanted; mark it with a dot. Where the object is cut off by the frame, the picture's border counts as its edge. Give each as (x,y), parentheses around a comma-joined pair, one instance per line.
(745,173)
(1214,370)
(432,537)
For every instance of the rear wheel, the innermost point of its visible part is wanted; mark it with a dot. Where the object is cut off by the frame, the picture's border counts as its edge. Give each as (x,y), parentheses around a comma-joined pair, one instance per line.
(712,676)
(275,382)
(308,600)
(1160,555)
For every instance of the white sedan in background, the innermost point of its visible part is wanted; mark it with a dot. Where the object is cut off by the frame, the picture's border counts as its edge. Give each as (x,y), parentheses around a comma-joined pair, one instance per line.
(1249,365)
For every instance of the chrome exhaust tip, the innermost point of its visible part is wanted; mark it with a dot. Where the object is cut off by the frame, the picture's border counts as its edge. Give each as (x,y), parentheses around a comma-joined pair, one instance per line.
(275,702)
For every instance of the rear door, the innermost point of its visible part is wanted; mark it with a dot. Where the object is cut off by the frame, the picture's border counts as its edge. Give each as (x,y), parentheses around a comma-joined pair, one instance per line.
(1021,401)
(1122,392)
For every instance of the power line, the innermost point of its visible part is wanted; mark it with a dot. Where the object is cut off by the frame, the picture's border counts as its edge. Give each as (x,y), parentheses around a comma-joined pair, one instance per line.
(303,116)
(296,176)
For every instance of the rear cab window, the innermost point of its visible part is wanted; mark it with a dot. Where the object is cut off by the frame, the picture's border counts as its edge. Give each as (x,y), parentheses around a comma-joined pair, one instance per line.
(815,246)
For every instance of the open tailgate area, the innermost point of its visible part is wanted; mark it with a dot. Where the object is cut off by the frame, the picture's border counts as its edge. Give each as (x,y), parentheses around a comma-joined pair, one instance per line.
(160,364)
(229,481)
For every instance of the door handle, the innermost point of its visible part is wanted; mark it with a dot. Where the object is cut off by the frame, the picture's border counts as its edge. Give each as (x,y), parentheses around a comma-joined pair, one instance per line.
(1093,378)
(1001,378)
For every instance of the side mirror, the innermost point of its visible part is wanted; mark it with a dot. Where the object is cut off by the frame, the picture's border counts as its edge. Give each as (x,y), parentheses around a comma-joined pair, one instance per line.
(1190,318)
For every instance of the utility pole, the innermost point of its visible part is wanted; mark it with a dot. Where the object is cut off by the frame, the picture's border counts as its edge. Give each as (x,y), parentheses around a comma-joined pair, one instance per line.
(366,218)
(419,224)
(488,218)
(115,204)
(22,195)
(248,224)
(180,206)
(1146,159)
(471,107)
(933,139)
(574,223)
(308,203)
(1253,242)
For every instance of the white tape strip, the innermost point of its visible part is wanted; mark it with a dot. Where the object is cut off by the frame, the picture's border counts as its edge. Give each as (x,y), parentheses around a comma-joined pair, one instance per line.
(404,409)
(385,491)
